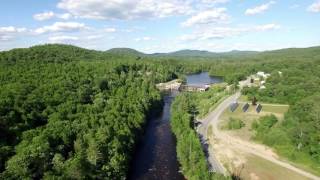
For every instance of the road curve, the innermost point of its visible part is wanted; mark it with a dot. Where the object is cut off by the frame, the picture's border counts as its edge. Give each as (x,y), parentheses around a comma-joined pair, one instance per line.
(248,147)
(214,164)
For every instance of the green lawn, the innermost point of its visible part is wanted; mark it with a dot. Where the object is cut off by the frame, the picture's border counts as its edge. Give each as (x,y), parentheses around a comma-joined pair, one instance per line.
(246,133)
(281,109)
(249,116)
(266,170)
(207,101)
(243,98)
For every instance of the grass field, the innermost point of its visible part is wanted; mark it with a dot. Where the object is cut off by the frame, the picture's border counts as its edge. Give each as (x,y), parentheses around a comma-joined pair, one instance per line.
(251,115)
(256,164)
(243,98)
(266,170)
(254,167)
(209,100)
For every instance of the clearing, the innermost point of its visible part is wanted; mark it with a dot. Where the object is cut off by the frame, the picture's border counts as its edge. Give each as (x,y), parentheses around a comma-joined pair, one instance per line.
(242,157)
(248,117)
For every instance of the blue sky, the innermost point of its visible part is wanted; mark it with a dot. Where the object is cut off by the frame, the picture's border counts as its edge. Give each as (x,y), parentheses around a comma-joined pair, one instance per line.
(161,25)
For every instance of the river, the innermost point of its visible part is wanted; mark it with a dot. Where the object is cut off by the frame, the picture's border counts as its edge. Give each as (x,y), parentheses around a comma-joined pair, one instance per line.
(202,79)
(156,157)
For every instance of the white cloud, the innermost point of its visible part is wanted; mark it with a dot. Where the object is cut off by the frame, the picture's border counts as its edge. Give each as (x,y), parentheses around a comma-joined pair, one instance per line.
(61,27)
(215,1)
(213,33)
(43,16)
(110,30)
(49,15)
(259,9)
(5,37)
(62,39)
(94,37)
(267,27)
(133,29)
(217,15)
(144,39)
(125,9)
(9,32)
(11,29)
(64,16)
(225,32)
(315,7)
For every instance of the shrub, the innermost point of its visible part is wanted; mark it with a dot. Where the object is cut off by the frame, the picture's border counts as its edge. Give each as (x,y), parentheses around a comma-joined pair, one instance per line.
(235,124)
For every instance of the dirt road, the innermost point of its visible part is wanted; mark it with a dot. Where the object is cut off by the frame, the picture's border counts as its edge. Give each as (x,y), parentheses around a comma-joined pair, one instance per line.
(239,144)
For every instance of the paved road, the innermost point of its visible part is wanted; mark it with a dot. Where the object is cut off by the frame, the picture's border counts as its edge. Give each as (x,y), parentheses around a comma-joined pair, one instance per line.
(213,120)
(214,164)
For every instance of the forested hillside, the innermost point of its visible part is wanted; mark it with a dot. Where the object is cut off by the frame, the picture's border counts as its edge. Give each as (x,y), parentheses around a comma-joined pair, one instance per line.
(67,112)
(297,137)
(70,112)
(297,84)
(189,149)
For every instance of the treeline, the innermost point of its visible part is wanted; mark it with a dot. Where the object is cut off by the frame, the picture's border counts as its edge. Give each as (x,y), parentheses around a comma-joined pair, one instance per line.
(238,67)
(65,116)
(189,149)
(295,82)
(69,125)
(70,112)
(295,79)
(298,79)
(297,136)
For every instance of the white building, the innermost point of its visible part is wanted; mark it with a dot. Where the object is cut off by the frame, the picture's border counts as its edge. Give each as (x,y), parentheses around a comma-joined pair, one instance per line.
(262,87)
(263,74)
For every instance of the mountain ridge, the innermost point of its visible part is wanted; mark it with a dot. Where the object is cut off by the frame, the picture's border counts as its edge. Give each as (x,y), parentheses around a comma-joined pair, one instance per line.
(205,53)
(61,49)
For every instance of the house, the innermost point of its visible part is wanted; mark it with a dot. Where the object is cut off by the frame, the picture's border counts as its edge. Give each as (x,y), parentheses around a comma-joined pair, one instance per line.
(193,88)
(171,85)
(202,89)
(262,87)
(263,74)
(260,73)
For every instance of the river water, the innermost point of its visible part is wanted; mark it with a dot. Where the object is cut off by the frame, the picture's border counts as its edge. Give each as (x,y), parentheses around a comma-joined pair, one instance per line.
(156,157)
(202,79)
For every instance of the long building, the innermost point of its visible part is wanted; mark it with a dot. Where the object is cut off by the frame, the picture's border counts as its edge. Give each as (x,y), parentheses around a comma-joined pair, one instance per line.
(194,88)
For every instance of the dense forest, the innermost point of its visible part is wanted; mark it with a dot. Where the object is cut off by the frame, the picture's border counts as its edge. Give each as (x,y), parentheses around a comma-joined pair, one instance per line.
(71,112)
(189,149)
(297,136)
(68,112)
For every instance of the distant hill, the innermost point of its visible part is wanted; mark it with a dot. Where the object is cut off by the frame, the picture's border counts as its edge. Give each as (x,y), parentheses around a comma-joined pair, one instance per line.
(237,52)
(202,53)
(50,53)
(187,52)
(294,51)
(124,51)
(61,52)
(288,52)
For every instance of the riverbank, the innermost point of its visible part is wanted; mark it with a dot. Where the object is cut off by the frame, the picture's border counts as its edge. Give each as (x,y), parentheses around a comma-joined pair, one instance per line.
(189,148)
(184,110)
(155,156)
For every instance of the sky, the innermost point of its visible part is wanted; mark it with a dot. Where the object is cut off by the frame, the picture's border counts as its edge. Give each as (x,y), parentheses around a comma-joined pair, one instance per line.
(161,25)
